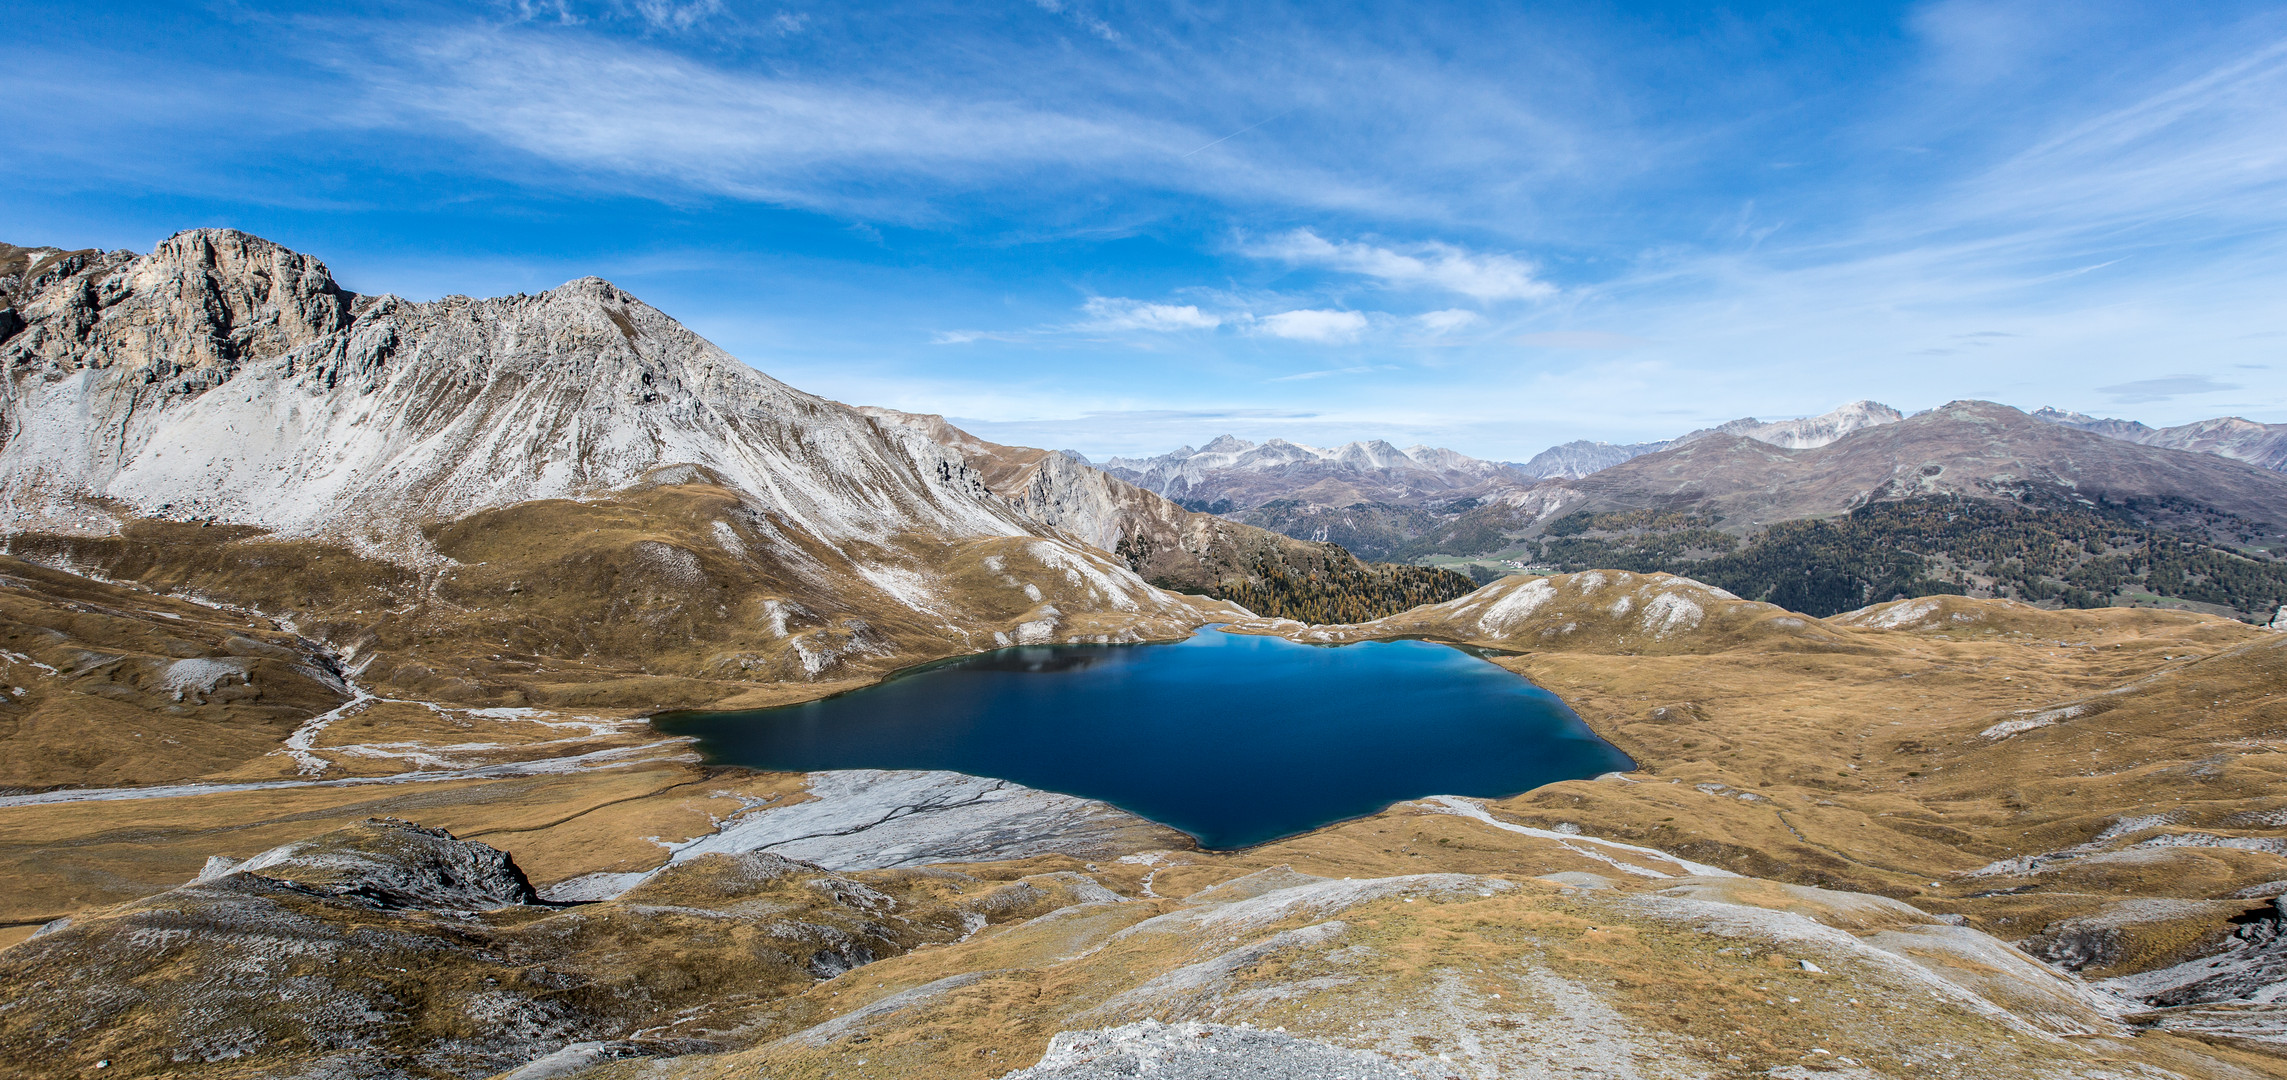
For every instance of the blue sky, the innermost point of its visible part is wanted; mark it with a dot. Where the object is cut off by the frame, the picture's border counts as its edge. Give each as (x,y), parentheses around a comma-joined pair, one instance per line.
(1118,228)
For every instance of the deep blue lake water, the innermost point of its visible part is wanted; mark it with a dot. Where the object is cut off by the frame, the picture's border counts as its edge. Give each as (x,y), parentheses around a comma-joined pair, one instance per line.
(1233,738)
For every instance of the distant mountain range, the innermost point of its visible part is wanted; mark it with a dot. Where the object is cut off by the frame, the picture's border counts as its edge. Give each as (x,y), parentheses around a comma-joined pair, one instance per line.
(1581,457)
(1976,449)
(1232,474)
(385,430)
(2228,436)
(2062,503)
(1247,474)
(1972,497)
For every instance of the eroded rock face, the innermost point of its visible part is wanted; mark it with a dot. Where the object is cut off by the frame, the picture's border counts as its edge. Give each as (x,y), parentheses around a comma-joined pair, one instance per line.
(393,864)
(2235,991)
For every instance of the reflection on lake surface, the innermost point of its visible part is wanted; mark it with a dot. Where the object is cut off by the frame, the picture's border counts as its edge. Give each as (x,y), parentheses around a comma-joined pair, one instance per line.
(1235,739)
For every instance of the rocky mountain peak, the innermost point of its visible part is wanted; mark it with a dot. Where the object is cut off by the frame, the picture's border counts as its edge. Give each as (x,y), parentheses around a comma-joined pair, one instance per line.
(2118,429)
(351,415)
(1810,431)
(203,299)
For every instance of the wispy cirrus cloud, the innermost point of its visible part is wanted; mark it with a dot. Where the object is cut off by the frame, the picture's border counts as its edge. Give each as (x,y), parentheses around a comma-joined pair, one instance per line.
(1448,320)
(1117,313)
(970,337)
(1319,325)
(623,108)
(1430,265)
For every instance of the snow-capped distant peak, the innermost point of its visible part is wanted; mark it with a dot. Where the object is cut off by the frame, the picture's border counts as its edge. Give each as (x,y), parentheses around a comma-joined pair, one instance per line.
(1810,431)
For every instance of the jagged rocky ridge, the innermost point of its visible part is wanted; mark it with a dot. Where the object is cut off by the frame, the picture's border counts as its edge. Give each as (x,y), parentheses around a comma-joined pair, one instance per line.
(365,417)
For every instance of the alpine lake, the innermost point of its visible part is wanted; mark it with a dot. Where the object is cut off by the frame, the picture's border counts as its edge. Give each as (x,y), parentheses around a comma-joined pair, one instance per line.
(1236,739)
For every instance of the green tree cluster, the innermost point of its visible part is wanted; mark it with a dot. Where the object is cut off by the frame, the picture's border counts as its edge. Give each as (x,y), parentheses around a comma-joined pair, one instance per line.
(1341,594)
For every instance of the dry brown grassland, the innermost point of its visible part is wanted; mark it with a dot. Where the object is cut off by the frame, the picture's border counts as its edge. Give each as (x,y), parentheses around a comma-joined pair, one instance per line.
(2018,768)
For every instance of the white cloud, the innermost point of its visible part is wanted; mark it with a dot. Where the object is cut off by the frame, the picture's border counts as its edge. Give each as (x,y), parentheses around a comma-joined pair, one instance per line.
(1314,324)
(1429,265)
(1581,339)
(1120,313)
(1448,321)
(965,337)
